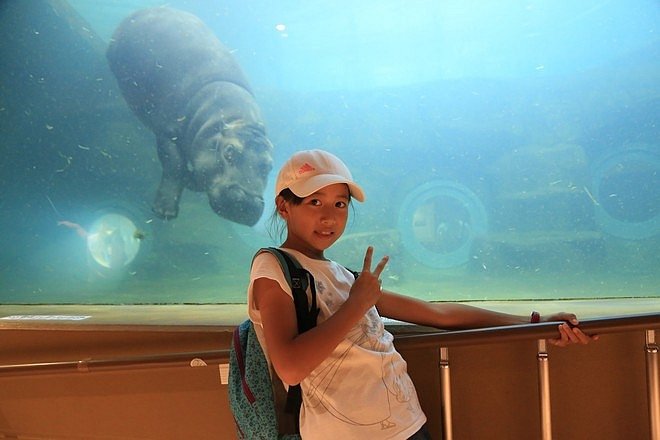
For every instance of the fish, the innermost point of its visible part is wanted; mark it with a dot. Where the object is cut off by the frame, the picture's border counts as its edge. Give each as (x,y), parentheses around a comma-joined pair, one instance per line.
(75,226)
(591,196)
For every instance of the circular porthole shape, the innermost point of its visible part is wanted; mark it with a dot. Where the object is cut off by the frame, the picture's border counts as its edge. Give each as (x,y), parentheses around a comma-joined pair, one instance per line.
(439,222)
(113,241)
(626,193)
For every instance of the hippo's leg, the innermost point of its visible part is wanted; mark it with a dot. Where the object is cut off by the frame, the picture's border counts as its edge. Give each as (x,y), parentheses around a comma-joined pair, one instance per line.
(166,205)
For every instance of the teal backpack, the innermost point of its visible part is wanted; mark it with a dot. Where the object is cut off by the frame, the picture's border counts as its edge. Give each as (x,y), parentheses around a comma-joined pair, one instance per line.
(251,393)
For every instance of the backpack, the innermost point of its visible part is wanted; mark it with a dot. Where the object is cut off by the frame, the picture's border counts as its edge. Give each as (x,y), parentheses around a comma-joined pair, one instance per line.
(251,387)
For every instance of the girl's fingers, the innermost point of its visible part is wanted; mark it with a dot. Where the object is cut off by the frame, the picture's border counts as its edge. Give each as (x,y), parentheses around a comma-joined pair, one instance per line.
(571,336)
(582,337)
(381,266)
(367,263)
(367,259)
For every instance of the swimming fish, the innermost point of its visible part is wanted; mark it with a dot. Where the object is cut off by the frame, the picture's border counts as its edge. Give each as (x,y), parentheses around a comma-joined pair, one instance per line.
(75,226)
(593,199)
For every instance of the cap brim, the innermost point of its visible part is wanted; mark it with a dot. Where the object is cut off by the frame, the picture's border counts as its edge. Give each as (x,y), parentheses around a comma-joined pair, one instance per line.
(313,184)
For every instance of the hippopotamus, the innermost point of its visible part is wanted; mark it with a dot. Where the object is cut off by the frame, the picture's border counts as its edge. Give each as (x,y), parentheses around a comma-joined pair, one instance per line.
(186,86)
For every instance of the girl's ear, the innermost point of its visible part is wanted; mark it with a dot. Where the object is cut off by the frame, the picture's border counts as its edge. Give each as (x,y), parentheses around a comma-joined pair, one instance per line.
(282,207)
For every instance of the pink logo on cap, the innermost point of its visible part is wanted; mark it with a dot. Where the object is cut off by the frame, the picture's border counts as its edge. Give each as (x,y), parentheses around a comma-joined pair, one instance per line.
(305,168)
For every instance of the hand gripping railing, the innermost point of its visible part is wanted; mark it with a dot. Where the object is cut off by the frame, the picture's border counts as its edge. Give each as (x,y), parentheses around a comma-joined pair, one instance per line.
(443,340)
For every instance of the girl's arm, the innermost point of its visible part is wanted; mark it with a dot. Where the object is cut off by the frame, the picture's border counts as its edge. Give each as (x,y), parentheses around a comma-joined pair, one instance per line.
(452,316)
(294,356)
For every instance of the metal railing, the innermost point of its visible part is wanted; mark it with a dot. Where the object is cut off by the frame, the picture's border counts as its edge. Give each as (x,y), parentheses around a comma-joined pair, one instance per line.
(440,340)
(620,324)
(167,360)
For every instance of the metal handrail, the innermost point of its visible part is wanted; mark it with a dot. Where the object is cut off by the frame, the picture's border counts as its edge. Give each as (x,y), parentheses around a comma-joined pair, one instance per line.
(617,324)
(545,330)
(439,340)
(166,360)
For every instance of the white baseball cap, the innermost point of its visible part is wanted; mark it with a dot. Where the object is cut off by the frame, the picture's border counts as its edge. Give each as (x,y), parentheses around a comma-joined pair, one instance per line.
(308,171)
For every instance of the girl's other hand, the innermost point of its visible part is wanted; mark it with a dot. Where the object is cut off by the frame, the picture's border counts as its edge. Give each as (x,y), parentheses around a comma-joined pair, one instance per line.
(569,333)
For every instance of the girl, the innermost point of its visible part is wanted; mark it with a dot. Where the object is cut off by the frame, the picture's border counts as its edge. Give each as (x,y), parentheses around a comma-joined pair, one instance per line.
(355,384)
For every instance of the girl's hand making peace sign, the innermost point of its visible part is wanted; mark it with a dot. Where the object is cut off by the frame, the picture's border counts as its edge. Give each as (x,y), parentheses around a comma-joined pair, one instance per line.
(366,290)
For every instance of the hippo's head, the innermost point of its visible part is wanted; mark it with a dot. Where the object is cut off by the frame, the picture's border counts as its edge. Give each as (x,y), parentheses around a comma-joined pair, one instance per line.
(242,163)
(227,152)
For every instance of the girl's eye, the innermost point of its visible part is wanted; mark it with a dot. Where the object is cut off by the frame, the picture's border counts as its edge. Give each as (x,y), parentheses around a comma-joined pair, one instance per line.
(340,204)
(315,202)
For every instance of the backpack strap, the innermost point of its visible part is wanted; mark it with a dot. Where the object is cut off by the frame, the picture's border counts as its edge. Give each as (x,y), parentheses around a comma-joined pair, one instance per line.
(299,279)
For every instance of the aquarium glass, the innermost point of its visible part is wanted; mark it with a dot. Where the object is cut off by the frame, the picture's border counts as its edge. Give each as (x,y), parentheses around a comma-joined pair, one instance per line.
(509,150)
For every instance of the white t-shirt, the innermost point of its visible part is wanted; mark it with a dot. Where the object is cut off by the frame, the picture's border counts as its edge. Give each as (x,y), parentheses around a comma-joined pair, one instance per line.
(362,390)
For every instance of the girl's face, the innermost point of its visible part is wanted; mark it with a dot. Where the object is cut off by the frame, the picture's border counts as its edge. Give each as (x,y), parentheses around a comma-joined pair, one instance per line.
(318,221)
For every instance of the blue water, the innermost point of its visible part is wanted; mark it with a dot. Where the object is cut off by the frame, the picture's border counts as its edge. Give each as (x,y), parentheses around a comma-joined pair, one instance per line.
(509,150)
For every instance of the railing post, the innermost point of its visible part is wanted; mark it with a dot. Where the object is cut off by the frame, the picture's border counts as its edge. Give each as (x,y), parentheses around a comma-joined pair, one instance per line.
(652,385)
(544,390)
(445,392)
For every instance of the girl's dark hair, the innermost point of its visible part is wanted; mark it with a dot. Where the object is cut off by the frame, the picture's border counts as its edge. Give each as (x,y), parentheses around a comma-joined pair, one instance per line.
(277,227)
(289,196)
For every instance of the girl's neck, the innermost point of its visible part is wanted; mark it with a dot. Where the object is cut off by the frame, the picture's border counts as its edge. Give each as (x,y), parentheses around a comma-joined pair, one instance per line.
(314,254)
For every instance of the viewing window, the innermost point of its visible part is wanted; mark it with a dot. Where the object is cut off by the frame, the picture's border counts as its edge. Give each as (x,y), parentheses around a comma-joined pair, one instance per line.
(508,150)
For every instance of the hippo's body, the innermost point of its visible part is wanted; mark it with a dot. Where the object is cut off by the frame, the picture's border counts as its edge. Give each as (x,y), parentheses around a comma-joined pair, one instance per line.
(189,90)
